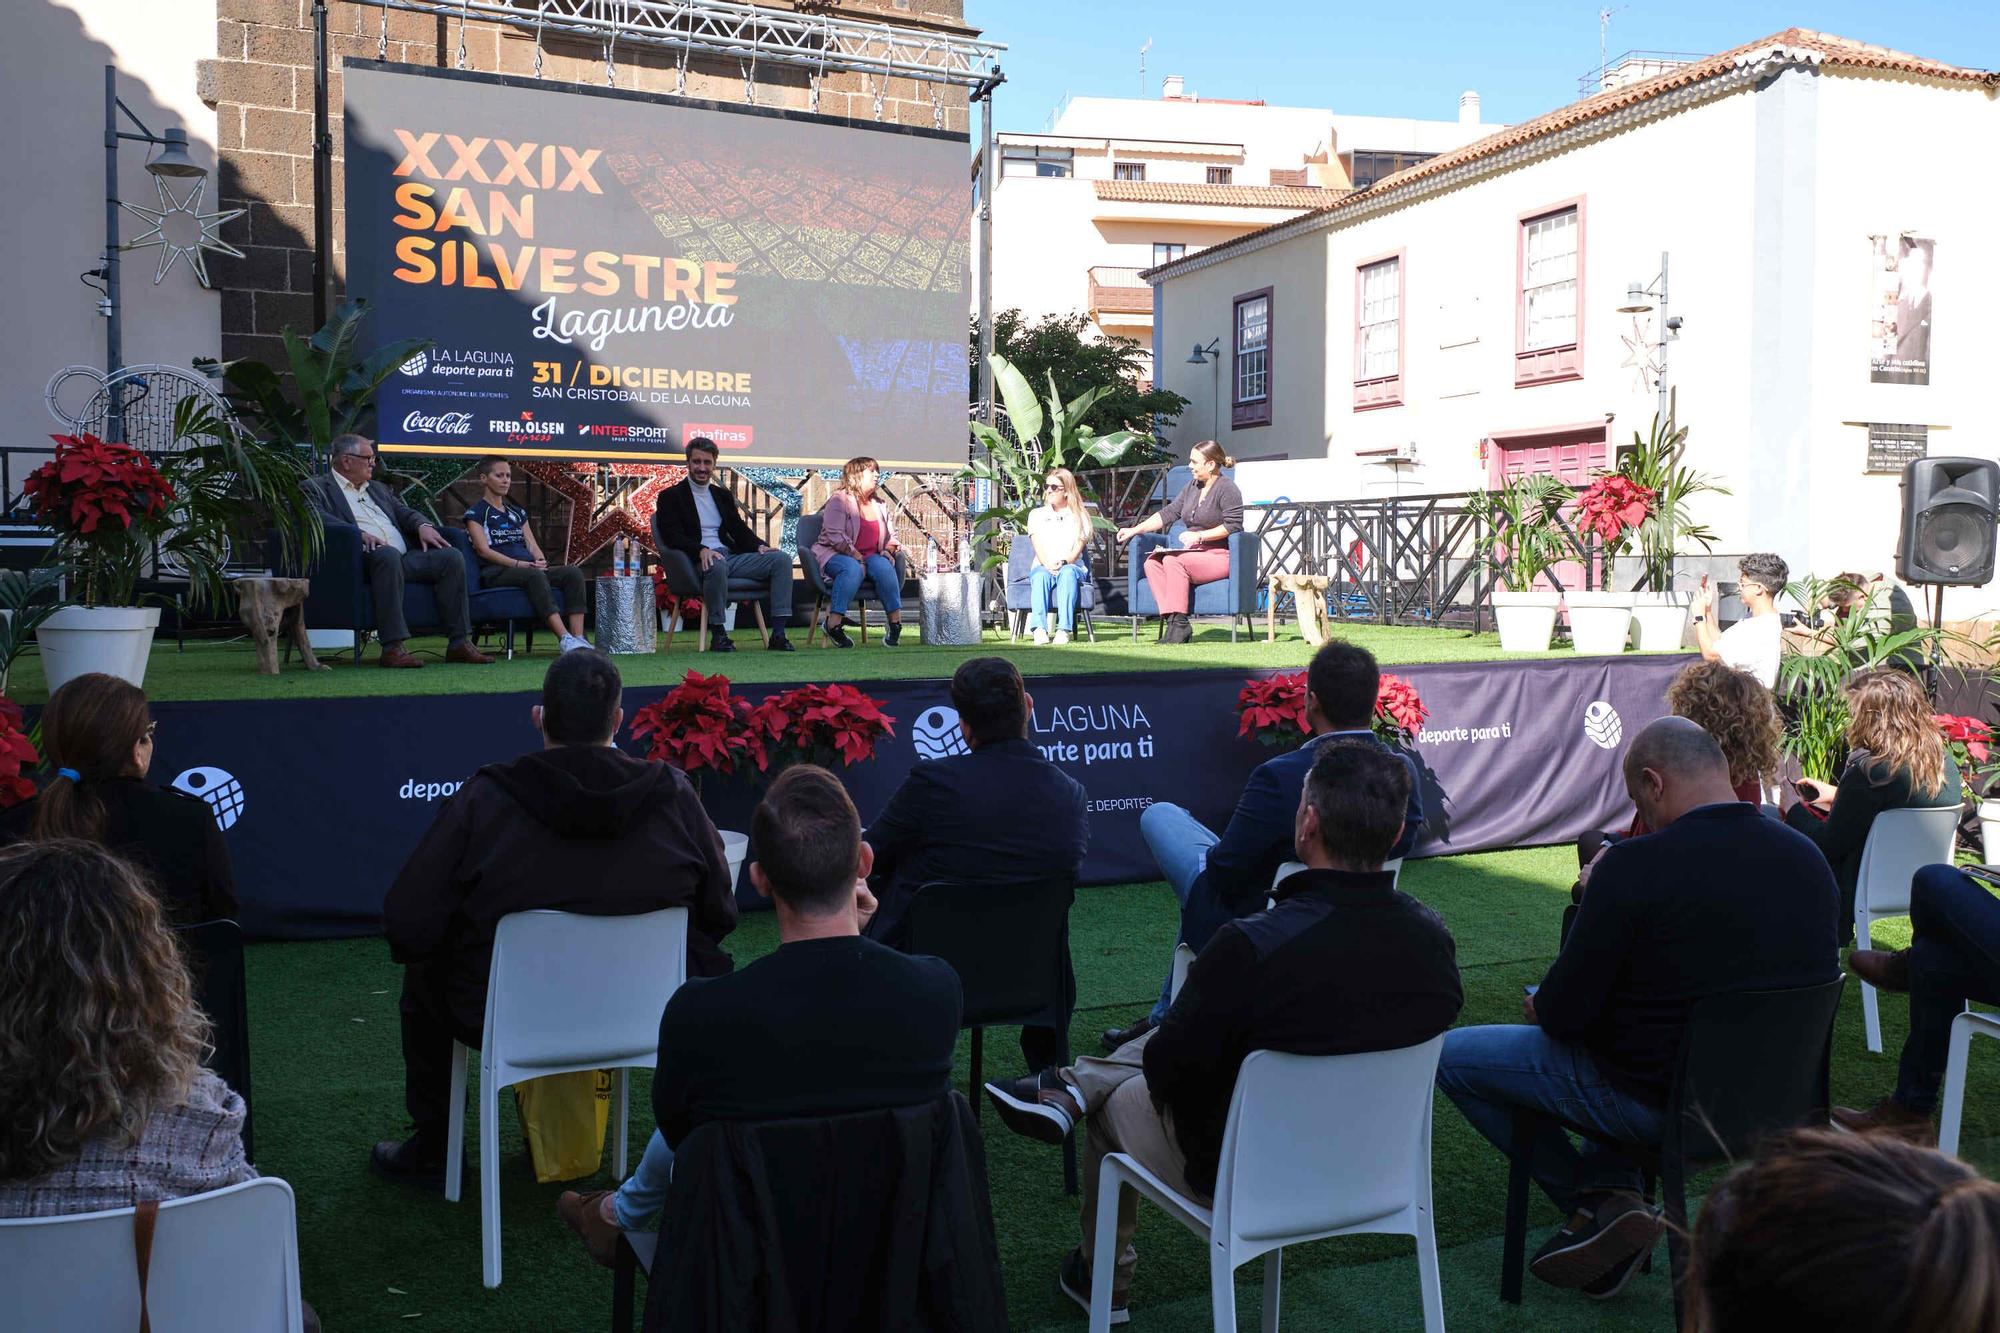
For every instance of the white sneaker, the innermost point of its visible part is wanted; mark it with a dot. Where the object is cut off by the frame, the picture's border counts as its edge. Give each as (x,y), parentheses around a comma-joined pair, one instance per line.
(1062,636)
(1041,635)
(571,642)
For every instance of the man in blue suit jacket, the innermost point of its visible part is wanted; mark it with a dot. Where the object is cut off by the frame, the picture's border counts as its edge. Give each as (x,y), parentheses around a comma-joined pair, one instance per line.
(1220,879)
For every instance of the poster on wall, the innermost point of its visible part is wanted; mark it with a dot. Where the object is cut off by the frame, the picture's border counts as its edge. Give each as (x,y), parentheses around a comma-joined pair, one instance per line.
(1899,311)
(606,274)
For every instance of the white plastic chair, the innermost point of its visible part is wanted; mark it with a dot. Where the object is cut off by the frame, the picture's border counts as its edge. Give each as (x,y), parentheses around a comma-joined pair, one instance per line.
(223,1262)
(1316,1145)
(1289,868)
(1900,843)
(566,992)
(1963,1029)
(1183,960)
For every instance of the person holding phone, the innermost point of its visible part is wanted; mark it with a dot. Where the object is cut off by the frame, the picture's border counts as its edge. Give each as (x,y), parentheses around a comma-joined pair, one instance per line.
(1897,760)
(1751,644)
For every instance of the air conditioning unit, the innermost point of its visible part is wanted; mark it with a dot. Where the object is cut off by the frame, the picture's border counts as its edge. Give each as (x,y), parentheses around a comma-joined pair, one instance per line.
(1405,453)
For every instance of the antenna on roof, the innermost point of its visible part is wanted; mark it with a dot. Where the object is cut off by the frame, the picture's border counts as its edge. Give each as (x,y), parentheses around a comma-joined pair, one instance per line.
(1604,31)
(1142,65)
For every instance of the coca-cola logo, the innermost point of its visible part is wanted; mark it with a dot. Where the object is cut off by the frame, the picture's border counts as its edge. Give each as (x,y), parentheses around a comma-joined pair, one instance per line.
(445,423)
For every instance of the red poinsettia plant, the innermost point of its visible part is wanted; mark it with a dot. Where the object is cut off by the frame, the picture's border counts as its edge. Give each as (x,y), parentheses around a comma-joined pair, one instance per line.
(1972,746)
(1273,710)
(106,504)
(700,725)
(17,755)
(828,725)
(1612,506)
(689,608)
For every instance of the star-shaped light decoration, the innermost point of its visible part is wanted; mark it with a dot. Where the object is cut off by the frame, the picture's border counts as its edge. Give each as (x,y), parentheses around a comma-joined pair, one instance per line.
(1642,354)
(171,250)
(599,513)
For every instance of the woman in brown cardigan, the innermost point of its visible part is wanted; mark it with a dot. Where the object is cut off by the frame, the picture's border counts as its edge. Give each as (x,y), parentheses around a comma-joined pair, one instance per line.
(1211,508)
(856,540)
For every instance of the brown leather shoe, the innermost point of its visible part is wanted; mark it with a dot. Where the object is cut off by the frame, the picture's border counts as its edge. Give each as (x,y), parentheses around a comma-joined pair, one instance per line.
(583,1214)
(395,658)
(1881,969)
(1888,1117)
(463,651)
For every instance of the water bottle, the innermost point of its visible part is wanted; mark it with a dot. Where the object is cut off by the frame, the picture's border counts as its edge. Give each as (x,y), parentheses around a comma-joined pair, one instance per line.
(618,563)
(932,559)
(964,556)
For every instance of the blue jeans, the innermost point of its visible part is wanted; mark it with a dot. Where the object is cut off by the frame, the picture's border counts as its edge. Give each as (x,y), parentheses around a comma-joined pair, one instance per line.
(1179,843)
(1065,580)
(843,576)
(1489,1071)
(1954,957)
(644,1193)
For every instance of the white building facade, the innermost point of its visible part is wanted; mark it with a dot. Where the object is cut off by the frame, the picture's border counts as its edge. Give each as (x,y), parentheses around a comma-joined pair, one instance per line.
(1461,321)
(1119,185)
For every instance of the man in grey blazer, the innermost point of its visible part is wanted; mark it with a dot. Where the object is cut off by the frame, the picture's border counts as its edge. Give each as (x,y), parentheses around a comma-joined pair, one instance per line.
(397,546)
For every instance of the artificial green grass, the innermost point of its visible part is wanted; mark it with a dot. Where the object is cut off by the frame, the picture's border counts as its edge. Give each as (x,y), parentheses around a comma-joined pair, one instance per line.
(328,1082)
(207,670)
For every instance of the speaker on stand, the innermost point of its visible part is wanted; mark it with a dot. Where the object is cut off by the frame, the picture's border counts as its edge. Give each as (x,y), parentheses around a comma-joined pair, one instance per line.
(1950,527)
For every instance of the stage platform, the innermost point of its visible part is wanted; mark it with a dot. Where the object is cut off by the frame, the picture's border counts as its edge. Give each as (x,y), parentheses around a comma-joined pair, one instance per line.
(324,781)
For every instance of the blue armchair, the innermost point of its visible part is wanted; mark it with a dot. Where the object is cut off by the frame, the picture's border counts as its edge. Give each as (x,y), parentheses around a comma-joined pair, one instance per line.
(807,533)
(339,598)
(1020,565)
(1235,596)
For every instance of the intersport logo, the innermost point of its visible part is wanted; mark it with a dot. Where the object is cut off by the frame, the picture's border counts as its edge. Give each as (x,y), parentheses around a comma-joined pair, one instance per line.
(445,423)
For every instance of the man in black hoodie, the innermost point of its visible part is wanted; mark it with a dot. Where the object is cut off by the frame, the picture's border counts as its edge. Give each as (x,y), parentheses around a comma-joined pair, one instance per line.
(578,826)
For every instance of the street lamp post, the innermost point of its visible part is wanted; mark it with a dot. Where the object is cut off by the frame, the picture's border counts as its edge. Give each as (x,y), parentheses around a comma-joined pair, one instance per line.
(1205,356)
(1638,300)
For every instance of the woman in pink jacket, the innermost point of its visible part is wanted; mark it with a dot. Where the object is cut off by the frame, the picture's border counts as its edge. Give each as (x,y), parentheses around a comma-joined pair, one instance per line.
(856,541)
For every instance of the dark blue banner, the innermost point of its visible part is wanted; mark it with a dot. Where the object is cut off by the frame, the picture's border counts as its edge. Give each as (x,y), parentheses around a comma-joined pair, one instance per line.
(323,799)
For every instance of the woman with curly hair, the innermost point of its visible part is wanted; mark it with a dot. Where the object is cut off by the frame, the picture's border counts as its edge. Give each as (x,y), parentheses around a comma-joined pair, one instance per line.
(1862,1232)
(1896,760)
(103,1100)
(1734,707)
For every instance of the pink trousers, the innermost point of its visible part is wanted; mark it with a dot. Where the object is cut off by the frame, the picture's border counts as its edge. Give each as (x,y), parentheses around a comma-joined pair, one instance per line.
(1174,575)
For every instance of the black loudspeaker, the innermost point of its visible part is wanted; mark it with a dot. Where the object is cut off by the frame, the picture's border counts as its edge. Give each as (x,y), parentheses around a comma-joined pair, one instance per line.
(1951,519)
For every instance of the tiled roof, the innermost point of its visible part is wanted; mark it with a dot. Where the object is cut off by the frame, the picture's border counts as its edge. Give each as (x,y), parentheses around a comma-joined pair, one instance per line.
(1238,196)
(1832,51)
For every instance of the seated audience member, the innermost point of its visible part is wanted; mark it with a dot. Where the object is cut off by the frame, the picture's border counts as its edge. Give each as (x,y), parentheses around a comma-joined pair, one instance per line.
(830,1023)
(700,520)
(578,826)
(1896,760)
(1719,899)
(1954,956)
(1868,1235)
(1740,714)
(1753,643)
(1343,963)
(998,812)
(397,546)
(1219,879)
(502,537)
(97,735)
(103,1100)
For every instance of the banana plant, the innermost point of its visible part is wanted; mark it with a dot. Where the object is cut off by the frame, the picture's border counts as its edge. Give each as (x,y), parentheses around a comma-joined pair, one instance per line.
(1523,529)
(1042,441)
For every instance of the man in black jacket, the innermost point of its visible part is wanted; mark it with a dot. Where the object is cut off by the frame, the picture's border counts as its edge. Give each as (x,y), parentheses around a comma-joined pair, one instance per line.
(1717,899)
(578,826)
(830,1023)
(998,812)
(700,520)
(1343,963)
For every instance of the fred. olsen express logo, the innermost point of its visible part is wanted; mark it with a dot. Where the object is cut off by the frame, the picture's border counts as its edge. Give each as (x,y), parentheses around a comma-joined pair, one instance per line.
(443,423)
(527,429)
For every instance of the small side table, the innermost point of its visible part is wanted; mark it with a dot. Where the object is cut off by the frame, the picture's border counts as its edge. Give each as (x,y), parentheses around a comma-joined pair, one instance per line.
(1308,596)
(951,607)
(626,620)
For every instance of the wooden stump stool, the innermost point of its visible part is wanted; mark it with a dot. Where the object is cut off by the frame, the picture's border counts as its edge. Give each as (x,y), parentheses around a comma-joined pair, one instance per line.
(1306,590)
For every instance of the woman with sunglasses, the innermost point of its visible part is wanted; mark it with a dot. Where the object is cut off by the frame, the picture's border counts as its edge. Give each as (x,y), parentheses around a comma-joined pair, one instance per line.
(1059,530)
(98,737)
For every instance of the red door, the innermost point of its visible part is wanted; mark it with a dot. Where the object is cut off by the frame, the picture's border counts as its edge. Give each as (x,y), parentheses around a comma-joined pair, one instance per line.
(1575,454)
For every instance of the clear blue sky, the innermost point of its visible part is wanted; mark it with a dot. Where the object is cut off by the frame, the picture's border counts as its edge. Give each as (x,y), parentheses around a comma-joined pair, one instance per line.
(1413,58)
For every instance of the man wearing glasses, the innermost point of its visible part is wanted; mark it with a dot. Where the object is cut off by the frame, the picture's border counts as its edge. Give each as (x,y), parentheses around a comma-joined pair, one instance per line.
(397,546)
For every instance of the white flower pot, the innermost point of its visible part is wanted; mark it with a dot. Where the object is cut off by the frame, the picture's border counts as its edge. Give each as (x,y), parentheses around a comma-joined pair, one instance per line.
(114,640)
(1527,620)
(1659,621)
(1989,830)
(1599,622)
(735,846)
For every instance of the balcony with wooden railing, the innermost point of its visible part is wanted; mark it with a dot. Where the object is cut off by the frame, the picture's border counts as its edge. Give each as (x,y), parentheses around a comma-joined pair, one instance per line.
(1118,291)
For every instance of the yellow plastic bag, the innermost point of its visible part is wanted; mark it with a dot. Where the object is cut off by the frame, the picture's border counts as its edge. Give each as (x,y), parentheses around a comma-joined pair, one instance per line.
(563,1117)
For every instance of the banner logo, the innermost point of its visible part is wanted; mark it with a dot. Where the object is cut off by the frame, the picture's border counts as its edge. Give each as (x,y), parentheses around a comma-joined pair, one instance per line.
(725,437)
(1601,724)
(936,735)
(416,365)
(221,790)
(445,423)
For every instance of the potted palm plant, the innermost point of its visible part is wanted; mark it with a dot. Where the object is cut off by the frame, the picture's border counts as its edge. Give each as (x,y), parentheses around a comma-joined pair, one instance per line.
(119,514)
(1521,536)
(1654,464)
